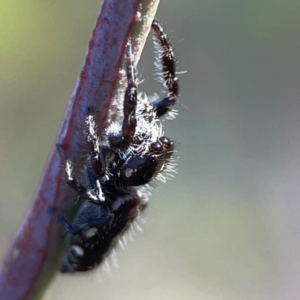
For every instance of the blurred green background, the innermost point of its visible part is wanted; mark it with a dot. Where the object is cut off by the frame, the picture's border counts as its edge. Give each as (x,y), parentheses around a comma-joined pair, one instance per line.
(228,225)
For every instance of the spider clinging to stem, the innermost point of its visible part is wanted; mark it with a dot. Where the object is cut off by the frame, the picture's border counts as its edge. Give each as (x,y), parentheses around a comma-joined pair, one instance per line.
(129,155)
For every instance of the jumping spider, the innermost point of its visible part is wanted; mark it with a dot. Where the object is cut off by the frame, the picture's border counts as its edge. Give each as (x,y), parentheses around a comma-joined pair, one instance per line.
(129,155)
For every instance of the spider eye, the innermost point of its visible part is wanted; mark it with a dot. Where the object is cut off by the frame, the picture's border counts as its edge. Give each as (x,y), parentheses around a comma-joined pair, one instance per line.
(152,158)
(165,141)
(156,147)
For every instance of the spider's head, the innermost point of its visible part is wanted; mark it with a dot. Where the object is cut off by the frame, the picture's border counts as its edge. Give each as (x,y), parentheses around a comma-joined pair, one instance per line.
(140,169)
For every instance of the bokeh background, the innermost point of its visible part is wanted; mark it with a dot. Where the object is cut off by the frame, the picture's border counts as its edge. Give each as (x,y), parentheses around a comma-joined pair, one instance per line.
(228,225)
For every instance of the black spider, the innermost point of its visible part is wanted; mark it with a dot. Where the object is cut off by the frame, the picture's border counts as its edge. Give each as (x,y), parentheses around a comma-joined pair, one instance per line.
(130,155)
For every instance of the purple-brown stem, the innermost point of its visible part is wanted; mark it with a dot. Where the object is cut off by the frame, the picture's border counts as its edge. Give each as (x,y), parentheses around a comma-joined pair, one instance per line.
(33,257)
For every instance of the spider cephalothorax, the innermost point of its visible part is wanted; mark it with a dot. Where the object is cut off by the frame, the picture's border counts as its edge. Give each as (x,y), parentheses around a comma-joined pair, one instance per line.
(131,154)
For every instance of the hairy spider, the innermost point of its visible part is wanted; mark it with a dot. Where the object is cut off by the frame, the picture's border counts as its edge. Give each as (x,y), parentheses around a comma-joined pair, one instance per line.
(129,155)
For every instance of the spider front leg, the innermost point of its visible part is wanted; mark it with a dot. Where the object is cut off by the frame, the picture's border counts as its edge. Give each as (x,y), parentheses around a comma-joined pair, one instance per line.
(124,139)
(71,181)
(91,195)
(99,157)
(164,105)
(130,100)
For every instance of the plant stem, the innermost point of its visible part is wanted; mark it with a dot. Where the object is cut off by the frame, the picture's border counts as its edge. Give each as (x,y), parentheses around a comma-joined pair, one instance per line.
(34,255)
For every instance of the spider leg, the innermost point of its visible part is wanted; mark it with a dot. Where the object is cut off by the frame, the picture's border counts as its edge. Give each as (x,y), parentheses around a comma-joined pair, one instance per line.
(130,101)
(70,228)
(80,189)
(98,216)
(97,161)
(71,181)
(164,105)
(97,168)
(100,156)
